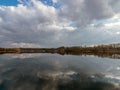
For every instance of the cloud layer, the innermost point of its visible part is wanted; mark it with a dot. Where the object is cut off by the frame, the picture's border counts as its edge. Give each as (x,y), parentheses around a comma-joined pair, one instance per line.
(73,23)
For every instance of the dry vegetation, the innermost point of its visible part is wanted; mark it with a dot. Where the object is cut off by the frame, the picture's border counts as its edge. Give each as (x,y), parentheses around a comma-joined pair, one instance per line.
(97,50)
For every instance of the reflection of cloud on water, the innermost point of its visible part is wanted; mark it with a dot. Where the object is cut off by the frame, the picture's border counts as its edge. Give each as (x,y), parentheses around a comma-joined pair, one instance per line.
(118,68)
(41,78)
(113,78)
(57,81)
(22,56)
(54,72)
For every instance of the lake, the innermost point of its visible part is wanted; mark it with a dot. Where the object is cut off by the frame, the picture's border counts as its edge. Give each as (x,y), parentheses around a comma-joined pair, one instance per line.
(58,72)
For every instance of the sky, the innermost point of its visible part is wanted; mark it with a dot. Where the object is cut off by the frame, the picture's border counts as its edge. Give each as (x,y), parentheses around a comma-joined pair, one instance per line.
(54,23)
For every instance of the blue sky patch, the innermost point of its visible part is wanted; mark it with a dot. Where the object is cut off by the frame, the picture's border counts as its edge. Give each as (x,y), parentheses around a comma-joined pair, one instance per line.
(15,3)
(8,2)
(50,3)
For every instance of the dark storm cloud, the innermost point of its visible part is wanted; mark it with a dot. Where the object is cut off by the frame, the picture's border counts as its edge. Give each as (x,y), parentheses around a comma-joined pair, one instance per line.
(84,11)
(98,9)
(115,5)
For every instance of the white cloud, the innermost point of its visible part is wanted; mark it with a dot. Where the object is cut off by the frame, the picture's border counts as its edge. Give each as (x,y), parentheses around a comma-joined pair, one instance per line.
(32,22)
(63,26)
(55,1)
(109,25)
(24,45)
(24,24)
(118,68)
(112,22)
(118,33)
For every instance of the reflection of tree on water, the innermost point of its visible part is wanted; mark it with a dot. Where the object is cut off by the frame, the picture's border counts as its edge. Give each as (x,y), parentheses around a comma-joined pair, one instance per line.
(111,50)
(104,55)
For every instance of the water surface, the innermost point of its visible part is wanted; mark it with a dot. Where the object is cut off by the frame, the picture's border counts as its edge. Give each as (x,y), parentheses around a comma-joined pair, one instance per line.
(58,72)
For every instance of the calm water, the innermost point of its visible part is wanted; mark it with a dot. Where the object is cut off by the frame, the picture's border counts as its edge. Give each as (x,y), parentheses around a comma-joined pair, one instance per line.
(57,72)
